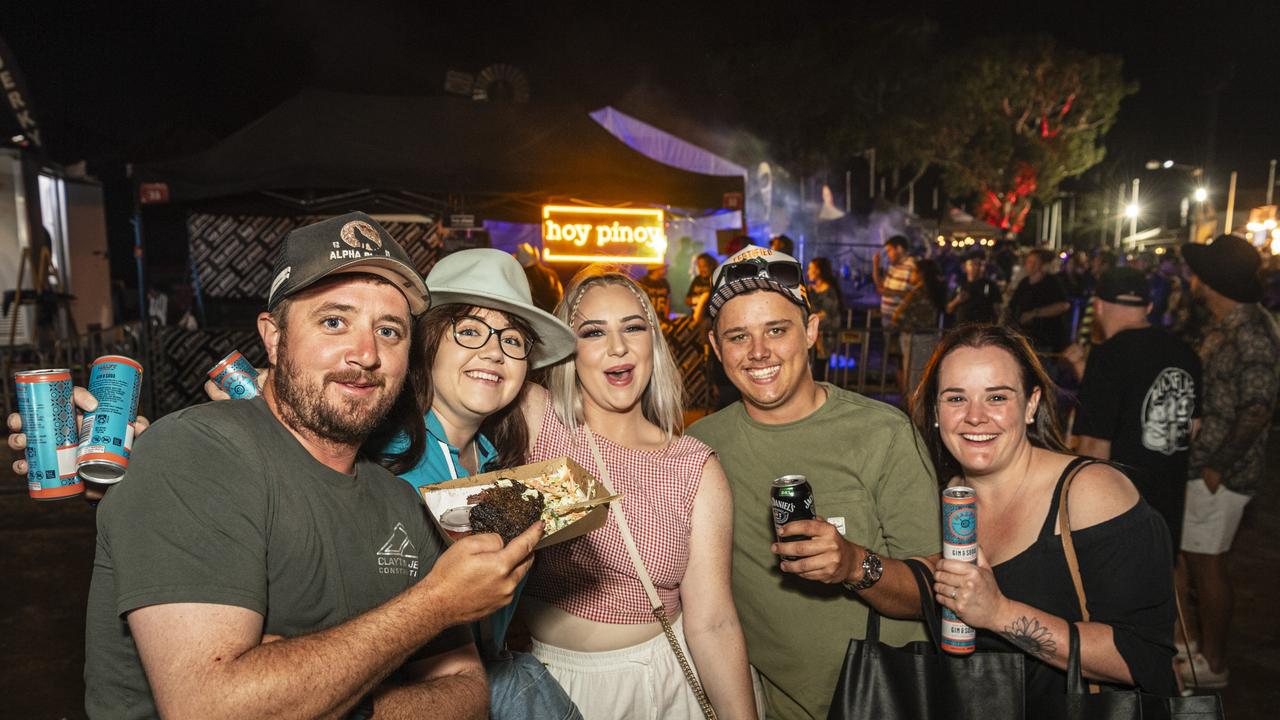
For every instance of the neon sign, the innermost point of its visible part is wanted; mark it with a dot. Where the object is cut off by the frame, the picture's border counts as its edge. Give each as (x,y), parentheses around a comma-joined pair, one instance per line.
(573,233)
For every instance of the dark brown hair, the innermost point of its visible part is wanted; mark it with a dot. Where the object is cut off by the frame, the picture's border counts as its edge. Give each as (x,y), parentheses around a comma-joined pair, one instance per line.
(1043,431)
(505,428)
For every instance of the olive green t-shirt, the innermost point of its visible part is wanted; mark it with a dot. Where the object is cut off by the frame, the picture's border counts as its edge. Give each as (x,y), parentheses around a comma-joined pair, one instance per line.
(866,465)
(222,505)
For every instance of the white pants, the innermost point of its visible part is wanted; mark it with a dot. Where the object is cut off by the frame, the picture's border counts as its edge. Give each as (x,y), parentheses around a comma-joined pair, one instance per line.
(641,682)
(1210,520)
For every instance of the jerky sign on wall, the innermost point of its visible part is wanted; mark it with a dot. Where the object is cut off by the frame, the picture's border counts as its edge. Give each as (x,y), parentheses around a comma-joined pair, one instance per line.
(572,233)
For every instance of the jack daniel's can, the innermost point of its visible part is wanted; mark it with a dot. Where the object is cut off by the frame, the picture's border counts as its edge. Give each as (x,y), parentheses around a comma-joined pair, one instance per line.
(791,498)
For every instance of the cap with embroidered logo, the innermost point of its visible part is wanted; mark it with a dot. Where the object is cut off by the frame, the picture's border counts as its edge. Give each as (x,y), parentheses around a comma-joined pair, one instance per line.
(347,243)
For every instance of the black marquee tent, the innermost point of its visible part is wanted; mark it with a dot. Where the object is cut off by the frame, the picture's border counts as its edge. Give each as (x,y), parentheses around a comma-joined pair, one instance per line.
(322,153)
(326,151)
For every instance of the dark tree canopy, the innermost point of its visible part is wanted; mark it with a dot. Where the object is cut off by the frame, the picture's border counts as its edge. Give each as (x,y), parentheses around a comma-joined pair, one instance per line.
(1004,120)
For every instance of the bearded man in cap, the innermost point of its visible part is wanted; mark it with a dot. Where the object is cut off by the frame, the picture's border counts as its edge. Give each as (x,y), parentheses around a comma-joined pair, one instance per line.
(870,476)
(1239,353)
(1139,401)
(257,563)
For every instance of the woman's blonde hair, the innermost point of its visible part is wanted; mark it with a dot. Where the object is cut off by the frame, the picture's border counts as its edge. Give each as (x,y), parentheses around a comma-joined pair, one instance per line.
(663,400)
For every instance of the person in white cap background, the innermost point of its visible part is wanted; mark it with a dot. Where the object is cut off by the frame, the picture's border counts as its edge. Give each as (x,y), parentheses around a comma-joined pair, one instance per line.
(868,469)
(256,562)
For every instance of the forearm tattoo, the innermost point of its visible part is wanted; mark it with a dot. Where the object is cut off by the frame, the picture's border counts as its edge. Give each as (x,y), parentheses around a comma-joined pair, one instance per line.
(1029,635)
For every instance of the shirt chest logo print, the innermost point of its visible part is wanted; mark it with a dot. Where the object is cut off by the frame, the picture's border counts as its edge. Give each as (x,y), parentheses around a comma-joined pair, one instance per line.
(1167,410)
(398,556)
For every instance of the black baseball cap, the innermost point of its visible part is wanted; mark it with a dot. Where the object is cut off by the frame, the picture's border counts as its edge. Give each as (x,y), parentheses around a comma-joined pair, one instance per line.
(1124,286)
(347,243)
(1229,265)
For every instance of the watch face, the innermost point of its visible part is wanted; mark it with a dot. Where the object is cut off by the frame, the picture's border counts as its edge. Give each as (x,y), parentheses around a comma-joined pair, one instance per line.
(873,567)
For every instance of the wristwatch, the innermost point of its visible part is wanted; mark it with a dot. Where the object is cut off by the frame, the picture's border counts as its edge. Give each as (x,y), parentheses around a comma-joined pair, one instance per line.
(872,569)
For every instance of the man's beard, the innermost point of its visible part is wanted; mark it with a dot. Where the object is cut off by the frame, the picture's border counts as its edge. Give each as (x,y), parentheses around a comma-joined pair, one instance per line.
(304,407)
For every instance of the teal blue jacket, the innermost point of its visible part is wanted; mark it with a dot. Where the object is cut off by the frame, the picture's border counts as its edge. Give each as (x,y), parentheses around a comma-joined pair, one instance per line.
(441,462)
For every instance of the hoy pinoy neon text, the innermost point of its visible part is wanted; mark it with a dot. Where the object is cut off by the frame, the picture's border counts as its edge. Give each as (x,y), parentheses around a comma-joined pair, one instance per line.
(581,233)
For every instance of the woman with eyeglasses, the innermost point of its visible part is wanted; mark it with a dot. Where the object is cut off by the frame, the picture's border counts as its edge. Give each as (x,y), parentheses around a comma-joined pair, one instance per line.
(620,399)
(472,353)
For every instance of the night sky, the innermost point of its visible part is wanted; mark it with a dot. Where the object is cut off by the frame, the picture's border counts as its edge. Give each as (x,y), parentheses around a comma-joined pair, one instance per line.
(143,80)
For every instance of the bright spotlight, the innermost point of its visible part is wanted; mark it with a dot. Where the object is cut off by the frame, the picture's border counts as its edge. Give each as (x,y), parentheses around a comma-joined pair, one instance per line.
(1168,164)
(1131,210)
(1201,195)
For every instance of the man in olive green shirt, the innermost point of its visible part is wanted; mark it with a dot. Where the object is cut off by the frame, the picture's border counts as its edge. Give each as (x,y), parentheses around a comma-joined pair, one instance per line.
(871,480)
(254,563)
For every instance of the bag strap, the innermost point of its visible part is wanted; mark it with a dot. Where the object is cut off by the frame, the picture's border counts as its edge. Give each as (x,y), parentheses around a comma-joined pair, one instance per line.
(1073,565)
(1073,662)
(928,606)
(659,610)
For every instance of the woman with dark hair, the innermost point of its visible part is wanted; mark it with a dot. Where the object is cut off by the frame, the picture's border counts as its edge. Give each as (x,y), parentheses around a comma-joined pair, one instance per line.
(917,318)
(828,305)
(986,410)
(471,355)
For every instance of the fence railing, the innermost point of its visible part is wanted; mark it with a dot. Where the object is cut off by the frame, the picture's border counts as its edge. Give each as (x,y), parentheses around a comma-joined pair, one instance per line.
(869,359)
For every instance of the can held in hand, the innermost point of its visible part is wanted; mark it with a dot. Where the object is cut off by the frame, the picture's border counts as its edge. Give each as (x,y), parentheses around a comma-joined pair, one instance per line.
(49,421)
(791,498)
(106,434)
(235,376)
(959,542)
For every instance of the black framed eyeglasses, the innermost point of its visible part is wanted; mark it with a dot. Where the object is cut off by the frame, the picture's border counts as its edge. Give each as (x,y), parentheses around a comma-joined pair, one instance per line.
(473,333)
(785,273)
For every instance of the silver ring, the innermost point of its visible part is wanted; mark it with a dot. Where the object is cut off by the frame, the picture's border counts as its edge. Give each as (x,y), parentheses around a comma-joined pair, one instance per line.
(953,594)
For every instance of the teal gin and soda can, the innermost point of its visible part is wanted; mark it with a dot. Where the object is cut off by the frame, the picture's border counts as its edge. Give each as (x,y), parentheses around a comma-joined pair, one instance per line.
(49,421)
(959,542)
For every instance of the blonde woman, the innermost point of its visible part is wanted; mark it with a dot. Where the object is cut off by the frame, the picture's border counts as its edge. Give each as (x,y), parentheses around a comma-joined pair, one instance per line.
(586,608)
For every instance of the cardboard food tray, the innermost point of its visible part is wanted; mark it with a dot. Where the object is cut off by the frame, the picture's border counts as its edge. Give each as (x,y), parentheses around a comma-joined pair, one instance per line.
(445,495)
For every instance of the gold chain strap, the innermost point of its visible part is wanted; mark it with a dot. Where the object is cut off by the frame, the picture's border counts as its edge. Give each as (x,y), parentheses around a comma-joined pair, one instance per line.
(703,702)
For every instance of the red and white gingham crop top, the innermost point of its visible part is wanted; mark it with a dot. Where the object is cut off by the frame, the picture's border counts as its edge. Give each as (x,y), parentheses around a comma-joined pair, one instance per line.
(592,576)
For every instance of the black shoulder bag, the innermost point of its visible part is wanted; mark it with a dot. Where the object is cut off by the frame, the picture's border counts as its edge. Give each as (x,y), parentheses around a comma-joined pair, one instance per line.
(920,682)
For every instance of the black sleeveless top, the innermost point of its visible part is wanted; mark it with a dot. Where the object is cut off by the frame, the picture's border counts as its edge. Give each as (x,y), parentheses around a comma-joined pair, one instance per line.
(1126,570)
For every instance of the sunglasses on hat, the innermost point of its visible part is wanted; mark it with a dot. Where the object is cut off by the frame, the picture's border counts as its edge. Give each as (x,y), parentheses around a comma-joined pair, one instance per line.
(787,274)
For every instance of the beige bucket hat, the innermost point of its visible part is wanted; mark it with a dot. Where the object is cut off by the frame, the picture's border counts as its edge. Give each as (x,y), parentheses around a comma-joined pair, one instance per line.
(490,278)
